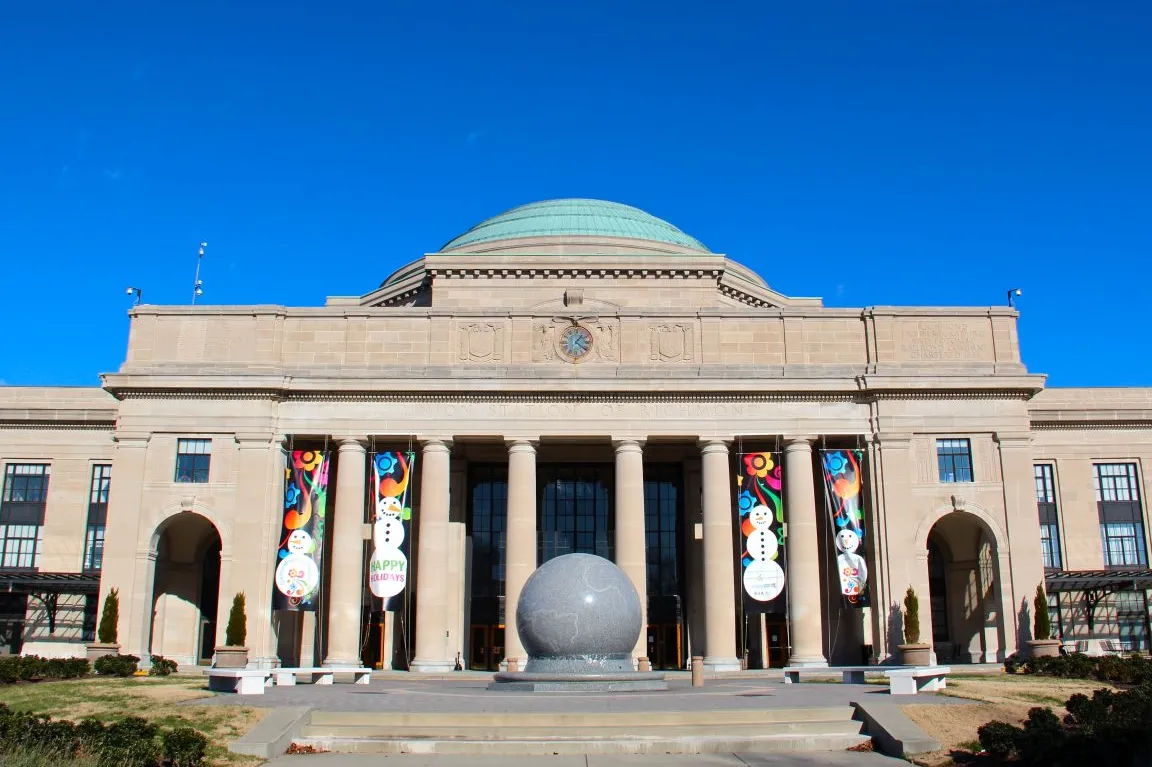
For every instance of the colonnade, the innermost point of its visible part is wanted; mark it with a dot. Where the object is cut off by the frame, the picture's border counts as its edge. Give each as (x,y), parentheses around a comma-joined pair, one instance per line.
(433,650)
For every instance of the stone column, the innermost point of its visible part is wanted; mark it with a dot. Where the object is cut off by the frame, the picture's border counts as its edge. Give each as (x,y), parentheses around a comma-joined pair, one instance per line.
(345,599)
(804,603)
(520,542)
(432,560)
(630,539)
(719,559)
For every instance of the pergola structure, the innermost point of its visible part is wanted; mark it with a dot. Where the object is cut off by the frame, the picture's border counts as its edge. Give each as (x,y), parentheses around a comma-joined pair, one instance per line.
(1095,585)
(47,588)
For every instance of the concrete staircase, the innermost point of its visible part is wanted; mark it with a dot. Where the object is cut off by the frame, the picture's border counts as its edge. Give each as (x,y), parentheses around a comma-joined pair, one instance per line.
(829,728)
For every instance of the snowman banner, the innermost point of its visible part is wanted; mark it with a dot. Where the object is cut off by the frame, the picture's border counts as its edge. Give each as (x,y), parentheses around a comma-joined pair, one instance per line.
(298,562)
(758,487)
(391,516)
(842,487)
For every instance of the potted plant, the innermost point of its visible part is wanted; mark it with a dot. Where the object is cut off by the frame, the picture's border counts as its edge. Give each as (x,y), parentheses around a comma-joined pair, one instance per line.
(106,632)
(234,654)
(913,652)
(1042,645)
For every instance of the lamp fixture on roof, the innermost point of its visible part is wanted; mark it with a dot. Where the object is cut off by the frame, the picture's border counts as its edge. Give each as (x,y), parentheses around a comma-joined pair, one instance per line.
(1013,294)
(137,292)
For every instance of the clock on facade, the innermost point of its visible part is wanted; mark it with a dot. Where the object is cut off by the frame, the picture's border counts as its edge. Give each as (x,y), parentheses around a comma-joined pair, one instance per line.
(576,342)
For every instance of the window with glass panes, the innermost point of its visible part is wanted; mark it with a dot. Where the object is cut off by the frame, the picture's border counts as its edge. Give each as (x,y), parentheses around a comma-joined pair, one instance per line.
(22,514)
(1049,521)
(954,459)
(97,516)
(576,510)
(661,528)
(1131,620)
(193,457)
(1121,519)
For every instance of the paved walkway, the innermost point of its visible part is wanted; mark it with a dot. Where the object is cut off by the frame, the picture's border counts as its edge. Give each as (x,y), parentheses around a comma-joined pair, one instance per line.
(809,759)
(466,693)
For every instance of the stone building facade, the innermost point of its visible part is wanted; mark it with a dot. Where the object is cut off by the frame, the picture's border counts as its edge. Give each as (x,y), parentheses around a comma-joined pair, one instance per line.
(573,375)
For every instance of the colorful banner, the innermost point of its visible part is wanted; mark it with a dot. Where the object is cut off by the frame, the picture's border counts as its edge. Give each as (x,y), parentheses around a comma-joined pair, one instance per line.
(761,512)
(391,515)
(843,481)
(299,560)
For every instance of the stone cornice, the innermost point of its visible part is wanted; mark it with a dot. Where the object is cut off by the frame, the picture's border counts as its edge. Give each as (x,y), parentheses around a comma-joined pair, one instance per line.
(1092,425)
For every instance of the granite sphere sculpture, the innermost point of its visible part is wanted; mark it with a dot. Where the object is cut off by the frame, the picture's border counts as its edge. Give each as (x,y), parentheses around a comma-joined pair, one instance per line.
(578,612)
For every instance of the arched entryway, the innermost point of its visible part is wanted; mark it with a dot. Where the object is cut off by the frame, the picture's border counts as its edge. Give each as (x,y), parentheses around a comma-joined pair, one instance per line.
(186,589)
(965,591)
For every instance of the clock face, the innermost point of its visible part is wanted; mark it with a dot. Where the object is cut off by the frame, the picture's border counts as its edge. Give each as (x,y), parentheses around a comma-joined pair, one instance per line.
(576,342)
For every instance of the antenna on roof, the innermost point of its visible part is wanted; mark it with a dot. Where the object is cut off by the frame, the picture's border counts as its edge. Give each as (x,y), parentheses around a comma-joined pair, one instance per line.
(198,285)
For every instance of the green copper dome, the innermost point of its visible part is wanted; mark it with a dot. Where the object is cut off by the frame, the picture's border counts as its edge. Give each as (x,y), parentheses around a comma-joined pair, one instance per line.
(552,218)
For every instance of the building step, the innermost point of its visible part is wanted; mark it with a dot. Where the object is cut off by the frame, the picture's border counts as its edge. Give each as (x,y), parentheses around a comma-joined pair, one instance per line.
(560,719)
(469,732)
(541,734)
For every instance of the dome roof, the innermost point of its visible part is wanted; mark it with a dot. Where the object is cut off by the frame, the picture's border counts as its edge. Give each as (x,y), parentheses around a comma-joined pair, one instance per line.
(552,218)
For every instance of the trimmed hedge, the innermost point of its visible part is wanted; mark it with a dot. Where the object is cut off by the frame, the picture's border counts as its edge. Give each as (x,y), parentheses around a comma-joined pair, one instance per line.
(161,666)
(1118,669)
(131,742)
(24,668)
(116,665)
(1113,728)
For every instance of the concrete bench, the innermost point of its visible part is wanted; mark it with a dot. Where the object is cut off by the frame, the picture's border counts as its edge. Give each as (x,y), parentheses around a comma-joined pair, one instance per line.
(286,677)
(242,681)
(914,679)
(848,674)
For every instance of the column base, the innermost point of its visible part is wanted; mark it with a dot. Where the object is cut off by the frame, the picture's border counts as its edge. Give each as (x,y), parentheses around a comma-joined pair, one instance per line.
(422,666)
(342,663)
(721,664)
(808,661)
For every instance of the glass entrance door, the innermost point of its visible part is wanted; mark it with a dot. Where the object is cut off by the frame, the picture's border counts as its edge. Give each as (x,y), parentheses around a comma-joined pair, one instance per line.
(486,647)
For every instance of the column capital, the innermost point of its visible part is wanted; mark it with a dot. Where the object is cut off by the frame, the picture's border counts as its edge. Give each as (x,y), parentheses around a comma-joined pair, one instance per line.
(793,442)
(255,440)
(522,444)
(1013,438)
(436,444)
(132,439)
(350,444)
(713,445)
(628,445)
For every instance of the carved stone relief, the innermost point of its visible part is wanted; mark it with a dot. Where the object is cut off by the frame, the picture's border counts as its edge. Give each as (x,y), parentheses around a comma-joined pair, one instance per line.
(989,460)
(547,336)
(922,450)
(480,342)
(670,343)
(934,341)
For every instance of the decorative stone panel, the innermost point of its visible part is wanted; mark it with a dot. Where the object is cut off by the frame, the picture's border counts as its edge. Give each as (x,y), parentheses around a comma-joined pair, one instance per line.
(480,342)
(670,343)
(939,341)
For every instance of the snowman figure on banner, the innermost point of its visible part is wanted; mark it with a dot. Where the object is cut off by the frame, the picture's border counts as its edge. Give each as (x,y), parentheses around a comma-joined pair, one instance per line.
(853,570)
(297,575)
(763,576)
(388,568)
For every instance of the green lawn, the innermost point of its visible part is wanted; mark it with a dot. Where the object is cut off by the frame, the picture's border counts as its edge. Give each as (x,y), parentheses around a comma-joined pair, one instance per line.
(156,699)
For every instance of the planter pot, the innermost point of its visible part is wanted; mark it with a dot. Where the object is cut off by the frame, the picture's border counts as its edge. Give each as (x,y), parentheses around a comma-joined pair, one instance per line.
(98,651)
(1044,648)
(231,657)
(915,654)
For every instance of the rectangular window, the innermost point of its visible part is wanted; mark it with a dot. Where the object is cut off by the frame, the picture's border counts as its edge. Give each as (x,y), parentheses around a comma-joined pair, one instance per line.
(1049,520)
(954,458)
(1130,621)
(20,546)
(1121,519)
(193,457)
(94,548)
(97,517)
(22,514)
(26,483)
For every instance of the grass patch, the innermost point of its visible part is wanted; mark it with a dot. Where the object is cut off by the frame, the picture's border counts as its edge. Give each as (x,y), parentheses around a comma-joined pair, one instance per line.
(157,699)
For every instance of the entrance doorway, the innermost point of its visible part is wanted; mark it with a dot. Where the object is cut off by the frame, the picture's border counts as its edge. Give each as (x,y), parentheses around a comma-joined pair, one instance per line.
(964,591)
(186,589)
(485,647)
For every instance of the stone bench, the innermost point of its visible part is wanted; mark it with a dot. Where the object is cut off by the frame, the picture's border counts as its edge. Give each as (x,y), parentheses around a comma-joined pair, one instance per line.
(242,681)
(286,677)
(849,674)
(913,679)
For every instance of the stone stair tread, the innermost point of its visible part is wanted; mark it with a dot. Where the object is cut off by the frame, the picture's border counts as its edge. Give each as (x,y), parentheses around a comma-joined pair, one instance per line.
(687,745)
(585,719)
(624,731)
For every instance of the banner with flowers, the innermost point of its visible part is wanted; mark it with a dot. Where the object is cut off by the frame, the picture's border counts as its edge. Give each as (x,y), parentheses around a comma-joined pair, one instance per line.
(843,483)
(392,474)
(761,516)
(296,584)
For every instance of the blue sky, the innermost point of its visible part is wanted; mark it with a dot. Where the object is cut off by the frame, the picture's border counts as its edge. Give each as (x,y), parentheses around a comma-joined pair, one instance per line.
(913,152)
